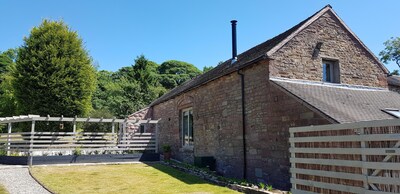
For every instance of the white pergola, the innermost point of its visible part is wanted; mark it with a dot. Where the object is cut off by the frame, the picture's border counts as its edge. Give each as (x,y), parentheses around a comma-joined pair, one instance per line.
(139,139)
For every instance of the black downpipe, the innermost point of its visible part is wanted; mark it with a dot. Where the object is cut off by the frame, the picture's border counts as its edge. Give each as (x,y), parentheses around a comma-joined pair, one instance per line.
(234,58)
(243,125)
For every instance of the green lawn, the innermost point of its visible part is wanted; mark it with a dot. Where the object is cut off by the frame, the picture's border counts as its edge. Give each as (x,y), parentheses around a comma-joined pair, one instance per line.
(3,190)
(131,178)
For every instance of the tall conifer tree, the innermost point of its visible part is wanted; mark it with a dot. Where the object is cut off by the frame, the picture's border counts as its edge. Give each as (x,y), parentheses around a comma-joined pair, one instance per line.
(54,73)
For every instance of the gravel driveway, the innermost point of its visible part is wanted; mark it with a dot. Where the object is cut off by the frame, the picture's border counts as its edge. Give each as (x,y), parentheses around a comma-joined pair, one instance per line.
(18,181)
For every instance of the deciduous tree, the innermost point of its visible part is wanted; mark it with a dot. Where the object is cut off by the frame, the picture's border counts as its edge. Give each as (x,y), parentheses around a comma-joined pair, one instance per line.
(146,75)
(7,60)
(173,73)
(391,51)
(206,69)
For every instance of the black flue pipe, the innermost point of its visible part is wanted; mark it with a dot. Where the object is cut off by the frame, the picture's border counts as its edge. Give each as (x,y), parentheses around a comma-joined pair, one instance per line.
(234,46)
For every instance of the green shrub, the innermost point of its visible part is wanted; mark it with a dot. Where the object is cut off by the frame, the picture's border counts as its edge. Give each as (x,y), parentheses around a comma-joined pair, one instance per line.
(166,148)
(261,185)
(3,151)
(98,127)
(77,151)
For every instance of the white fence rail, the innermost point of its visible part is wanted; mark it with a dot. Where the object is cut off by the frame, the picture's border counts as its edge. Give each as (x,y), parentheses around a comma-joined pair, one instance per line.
(117,139)
(86,141)
(359,157)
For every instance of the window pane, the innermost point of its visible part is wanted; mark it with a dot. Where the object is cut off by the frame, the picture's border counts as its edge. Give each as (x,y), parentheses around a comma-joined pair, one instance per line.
(141,128)
(185,127)
(328,72)
(190,128)
(393,112)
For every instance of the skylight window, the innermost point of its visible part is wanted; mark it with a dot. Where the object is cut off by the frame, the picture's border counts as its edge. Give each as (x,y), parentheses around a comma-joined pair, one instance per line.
(392,111)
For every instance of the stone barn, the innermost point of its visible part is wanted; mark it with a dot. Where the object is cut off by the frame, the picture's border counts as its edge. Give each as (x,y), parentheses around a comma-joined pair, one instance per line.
(317,72)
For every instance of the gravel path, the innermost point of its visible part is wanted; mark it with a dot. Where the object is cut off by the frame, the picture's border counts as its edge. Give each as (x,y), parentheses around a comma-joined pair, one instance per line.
(18,181)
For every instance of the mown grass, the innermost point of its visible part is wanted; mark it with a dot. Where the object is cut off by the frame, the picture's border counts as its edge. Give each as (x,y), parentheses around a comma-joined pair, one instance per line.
(130,178)
(3,190)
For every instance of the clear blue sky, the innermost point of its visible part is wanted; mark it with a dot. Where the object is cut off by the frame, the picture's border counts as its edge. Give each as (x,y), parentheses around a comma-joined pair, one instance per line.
(115,32)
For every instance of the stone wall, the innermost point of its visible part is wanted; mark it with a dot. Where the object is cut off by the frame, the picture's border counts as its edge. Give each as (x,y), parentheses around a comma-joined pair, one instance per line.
(294,60)
(269,114)
(269,110)
(139,115)
(394,88)
(218,125)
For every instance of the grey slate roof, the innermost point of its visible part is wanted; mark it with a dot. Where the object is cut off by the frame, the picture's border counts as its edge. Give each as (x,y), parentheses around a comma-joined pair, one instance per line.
(394,80)
(342,103)
(226,68)
(249,57)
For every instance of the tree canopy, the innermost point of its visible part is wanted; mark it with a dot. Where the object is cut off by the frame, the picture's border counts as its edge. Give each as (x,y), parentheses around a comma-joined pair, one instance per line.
(117,94)
(391,51)
(129,89)
(206,69)
(173,73)
(7,60)
(7,99)
(54,74)
(395,72)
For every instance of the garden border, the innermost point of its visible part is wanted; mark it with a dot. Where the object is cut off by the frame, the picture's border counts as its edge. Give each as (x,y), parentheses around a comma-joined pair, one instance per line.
(79,159)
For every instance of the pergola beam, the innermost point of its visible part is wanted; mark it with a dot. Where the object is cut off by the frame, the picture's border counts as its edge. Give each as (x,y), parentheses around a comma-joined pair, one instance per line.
(24,118)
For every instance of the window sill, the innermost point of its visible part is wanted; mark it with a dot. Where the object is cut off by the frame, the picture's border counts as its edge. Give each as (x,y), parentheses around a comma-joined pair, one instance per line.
(187,148)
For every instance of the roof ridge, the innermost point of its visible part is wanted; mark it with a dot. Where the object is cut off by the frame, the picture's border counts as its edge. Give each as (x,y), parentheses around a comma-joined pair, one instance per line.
(305,23)
(243,60)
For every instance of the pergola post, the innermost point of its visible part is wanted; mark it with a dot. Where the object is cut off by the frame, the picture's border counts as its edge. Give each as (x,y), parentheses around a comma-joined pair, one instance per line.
(30,158)
(156,137)
(113,128)
(9,139)
(122,132)
(74,127)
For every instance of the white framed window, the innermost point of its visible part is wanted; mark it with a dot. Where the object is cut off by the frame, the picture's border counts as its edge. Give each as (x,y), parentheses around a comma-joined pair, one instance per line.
(330,71)
(187,127)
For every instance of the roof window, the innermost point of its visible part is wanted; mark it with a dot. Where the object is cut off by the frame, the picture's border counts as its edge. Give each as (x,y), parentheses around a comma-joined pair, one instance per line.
(392,111)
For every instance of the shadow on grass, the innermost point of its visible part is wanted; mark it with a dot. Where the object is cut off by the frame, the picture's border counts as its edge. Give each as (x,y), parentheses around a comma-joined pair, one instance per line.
(182,176)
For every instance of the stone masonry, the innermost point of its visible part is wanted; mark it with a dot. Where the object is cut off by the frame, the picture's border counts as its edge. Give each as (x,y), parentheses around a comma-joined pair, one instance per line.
(217,125)
(138,115)
(217,120)
(269,111)
(394,88)
(394,83)
(357,67)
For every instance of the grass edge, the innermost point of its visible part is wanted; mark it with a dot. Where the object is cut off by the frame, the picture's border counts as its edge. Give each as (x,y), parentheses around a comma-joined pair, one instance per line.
(39,182)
